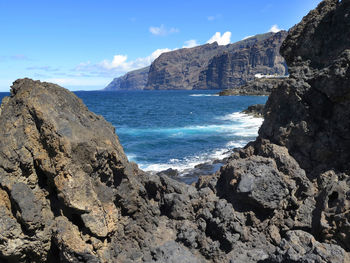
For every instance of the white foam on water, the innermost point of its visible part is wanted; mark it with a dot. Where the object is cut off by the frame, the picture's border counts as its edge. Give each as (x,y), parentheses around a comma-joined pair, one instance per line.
(204,95)
(244,124)
(188,162)
(238,124)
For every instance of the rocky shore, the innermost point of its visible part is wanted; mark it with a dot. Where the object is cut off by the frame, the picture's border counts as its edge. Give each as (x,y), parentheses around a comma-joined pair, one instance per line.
(256,110)
(256,87)
(69,194)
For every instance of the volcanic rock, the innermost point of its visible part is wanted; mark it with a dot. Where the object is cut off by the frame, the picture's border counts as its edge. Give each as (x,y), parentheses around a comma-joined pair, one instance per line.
(69,194)
(236,67)
(256,87)
(256,110)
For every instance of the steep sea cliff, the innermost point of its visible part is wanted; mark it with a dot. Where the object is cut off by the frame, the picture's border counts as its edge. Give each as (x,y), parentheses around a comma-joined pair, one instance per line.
(69,194)
(209,66)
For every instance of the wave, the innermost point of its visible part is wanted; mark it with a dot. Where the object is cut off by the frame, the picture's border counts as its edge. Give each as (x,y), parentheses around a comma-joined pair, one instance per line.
(204,95)
(188,162)
(191,161)
(241,127)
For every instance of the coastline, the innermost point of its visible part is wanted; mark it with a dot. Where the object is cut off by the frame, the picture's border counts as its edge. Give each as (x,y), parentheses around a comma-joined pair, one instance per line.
(207,164)
(68,193)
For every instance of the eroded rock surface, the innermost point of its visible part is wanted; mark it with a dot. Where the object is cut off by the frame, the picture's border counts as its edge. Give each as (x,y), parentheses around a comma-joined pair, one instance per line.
(69,194)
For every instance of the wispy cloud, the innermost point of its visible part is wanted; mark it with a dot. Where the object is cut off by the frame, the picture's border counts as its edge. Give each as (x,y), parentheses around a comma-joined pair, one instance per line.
(190,43)
(43,68)
(19,57)
(274,29)
(14,57)
(223,39)
(162,30)
(212,18)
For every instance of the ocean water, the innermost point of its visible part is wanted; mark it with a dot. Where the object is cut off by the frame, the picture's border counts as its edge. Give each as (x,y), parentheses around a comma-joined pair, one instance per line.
(175,129)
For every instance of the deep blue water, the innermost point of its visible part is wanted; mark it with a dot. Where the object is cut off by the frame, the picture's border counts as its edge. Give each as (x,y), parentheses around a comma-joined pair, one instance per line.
(178,129)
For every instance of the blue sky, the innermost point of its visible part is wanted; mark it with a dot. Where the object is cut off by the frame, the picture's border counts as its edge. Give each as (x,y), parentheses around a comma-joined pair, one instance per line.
(83,45)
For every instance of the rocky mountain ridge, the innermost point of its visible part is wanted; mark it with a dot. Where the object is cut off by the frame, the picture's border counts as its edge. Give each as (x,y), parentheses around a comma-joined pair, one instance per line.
(209,66)
(69,194)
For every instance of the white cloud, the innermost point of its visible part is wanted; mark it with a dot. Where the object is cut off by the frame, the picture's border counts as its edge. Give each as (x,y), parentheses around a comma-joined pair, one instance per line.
(119,61)
(190,43)
(274,29)
(221,39)
(162,30)
(118,65)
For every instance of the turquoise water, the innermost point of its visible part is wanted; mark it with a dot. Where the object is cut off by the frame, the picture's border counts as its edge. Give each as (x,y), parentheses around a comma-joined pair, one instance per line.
(178,129)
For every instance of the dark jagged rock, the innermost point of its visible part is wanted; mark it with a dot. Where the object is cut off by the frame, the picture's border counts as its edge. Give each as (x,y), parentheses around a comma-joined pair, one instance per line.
(256,110)
(257,87)
(133,80)
(169,172)
(69,194)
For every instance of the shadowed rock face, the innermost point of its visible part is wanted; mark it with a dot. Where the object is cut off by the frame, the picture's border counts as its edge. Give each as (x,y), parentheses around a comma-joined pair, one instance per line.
(212,66)
(237,67)
(68,193)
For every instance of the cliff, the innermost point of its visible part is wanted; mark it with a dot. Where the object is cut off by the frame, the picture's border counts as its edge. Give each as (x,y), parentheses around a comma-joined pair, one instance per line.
(133,80)
(209,66)
(216,67)
(68,193)
(234,68)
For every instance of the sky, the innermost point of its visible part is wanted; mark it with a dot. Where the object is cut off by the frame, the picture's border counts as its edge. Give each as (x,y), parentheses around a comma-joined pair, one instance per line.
(84,44)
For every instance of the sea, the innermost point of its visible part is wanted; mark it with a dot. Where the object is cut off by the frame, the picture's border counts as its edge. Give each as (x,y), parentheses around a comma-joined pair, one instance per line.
(175,129)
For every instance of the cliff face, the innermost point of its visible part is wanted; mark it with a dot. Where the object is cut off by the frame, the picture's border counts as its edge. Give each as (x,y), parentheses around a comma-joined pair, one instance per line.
(235,68)
(216,67)
(68,193)
(134,80)
(209,66)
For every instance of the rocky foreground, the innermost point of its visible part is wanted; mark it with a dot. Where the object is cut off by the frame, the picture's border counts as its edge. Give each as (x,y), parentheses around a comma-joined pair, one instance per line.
(69,194)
